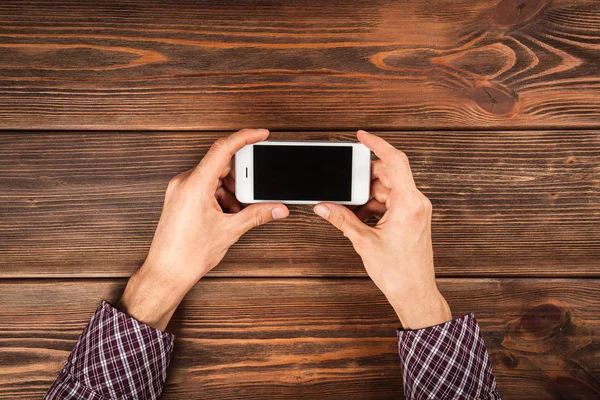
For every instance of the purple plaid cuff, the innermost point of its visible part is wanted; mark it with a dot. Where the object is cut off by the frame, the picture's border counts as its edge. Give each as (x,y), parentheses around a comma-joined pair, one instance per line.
(116,357)
(446,361)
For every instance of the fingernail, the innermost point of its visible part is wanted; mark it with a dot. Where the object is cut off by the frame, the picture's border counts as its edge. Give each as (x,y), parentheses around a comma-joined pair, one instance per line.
(278,213)
(364,132)
(322,211)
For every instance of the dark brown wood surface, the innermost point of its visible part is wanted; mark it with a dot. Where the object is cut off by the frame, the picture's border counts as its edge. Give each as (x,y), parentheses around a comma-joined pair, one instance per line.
(309,338)
(148,64)
(505,203)
(496,102)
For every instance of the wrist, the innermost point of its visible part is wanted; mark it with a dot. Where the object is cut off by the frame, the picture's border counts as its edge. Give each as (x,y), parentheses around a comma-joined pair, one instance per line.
(422,311)
(150,299)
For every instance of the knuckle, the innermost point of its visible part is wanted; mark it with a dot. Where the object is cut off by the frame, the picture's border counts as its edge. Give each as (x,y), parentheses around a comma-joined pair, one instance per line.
(185,194)
(339,221)
(419,210)
(416,206)
(219,144)
(174,183)
(427,204)
(259,219)
(400,158)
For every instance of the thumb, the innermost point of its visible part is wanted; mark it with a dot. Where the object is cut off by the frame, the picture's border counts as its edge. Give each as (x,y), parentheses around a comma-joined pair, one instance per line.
(258,214)
(342,218)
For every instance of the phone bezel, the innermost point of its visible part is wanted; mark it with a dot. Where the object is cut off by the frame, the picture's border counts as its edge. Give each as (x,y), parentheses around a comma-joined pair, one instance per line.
(361,172)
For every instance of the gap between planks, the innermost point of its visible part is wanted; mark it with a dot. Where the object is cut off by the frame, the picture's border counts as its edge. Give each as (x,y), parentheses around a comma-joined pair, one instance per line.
(375,131)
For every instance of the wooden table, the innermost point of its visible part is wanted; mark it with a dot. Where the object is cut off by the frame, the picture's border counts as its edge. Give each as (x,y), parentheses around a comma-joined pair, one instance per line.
(497,104)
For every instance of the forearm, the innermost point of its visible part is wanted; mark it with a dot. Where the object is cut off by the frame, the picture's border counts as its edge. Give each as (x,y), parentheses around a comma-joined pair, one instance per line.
(421,308)
(440,357)
(151,299)
(449,360)
(438,361)
(124,354)
(116,357)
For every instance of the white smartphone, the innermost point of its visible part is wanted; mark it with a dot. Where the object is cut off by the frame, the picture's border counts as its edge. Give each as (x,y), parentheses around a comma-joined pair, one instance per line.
(303,172)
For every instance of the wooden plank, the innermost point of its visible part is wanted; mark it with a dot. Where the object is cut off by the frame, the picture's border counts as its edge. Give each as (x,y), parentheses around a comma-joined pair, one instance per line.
(155,64)
(313,338)
(505,203)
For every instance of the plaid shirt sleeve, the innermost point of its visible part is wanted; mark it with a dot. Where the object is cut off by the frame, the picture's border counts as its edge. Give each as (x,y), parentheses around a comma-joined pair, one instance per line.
(116,357)
(446,361)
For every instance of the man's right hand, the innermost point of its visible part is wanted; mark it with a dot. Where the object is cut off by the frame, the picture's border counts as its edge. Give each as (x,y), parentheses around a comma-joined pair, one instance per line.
(397,252)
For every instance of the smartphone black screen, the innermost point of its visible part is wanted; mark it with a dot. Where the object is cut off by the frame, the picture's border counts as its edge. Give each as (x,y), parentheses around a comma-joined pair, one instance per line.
(303,173)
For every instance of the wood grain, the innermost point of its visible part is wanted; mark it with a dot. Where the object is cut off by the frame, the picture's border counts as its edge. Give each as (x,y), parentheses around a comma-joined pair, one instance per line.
(505,203)
(313,338)
(209,65)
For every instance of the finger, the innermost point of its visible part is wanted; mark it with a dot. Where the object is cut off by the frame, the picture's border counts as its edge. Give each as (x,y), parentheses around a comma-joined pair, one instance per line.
(229,183)
(227,200)
(227,170)
(394,172)
(219,156)
(343,219)
(373,208)
(375,167)
(377,145)
(379,191)
(258,214)
(381,170)
(397,167)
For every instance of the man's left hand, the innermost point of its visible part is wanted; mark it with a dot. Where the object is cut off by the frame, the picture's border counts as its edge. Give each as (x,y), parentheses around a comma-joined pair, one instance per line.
(194,232)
